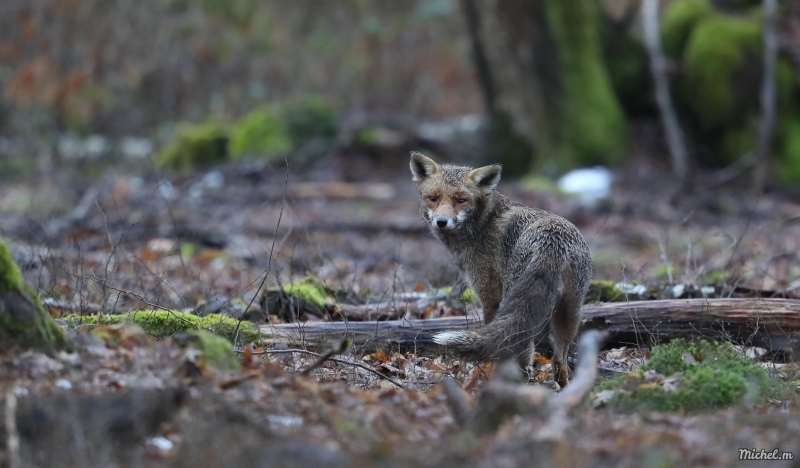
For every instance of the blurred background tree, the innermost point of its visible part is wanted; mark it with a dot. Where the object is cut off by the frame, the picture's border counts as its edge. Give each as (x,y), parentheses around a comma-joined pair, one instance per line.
(560,84)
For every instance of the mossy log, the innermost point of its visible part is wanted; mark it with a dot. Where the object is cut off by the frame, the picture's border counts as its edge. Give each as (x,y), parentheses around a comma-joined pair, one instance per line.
(165,323)
(23,321)
(771,323)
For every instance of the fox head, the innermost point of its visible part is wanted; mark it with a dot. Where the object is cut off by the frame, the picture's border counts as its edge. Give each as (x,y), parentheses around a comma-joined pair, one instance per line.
(451,195)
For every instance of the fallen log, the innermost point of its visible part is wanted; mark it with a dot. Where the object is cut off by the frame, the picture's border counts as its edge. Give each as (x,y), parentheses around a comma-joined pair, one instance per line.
(405,335)
(769,323)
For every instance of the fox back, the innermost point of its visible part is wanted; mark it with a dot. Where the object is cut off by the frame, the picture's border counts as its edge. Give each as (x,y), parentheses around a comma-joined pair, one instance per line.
(530,268)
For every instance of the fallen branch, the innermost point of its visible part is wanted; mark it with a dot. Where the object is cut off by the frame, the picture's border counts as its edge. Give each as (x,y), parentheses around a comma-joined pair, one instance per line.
(333,359)
(505,395)
(403,334)
(340,348)
(770,323)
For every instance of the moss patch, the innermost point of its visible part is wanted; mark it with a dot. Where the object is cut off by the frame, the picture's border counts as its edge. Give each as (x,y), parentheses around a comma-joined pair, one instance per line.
(678,21)
(217,352)
(23,320)
(714,55)
(591,128)
(309,295)
(604,291)
(262,133)
(195,146)
(303,128)
(162,323)
(10,274)
(691,377)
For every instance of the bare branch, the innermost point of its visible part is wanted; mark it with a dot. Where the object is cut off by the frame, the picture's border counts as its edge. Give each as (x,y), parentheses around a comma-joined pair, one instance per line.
(340,361)
(340,348)
(658,67)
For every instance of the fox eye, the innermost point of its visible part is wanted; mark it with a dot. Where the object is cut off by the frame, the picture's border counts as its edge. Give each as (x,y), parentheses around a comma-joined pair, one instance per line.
(433,199)
(461,201)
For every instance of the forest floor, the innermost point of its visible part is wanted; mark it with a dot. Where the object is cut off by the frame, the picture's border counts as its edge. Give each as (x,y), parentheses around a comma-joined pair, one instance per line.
(122,242)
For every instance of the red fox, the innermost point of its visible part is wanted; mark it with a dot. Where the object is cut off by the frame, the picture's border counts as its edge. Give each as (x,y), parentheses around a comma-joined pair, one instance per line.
(529,267)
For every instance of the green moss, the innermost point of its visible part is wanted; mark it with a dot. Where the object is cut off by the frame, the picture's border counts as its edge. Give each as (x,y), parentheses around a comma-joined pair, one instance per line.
(23,320)
(591,128)
(309,289)
(715,277)
(303,128)
(679,19)
(162,323)
(261,133)
(714,376)
(195,146)
(217,352)
(663,270)
(10,275)
(603,291)
(715,53)
(469,295)
(309,118)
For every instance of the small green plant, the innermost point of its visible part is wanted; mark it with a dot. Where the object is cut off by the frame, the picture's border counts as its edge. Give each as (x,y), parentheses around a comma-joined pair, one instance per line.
(302,129)
(195,145)
(691,377)
(260,133)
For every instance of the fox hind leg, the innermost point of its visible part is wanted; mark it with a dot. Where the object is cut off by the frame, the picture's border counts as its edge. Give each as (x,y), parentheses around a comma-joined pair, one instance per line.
(564,324)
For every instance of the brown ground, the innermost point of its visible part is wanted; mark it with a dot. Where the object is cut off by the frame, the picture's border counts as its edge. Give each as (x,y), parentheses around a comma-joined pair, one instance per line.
(119,241)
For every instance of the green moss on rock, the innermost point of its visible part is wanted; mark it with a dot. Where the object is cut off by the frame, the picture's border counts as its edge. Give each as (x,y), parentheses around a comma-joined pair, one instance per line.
(10,274)
(678,21)
(195,146)
(162,323)
(309,289)
(23,320)
(714,56)
(260,133)
(303,128)
(217,352)
(306,295)
(604,291)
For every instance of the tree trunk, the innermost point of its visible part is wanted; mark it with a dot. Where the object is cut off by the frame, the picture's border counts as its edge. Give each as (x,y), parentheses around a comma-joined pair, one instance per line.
(771,323)
(766,123)
(23,321)
(547,73)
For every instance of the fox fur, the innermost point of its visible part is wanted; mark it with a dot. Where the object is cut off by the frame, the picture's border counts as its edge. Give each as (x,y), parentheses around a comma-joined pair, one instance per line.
(530,268)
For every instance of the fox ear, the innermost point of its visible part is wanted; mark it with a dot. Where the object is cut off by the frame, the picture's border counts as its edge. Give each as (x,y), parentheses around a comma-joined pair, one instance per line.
(422,167)
(486,177)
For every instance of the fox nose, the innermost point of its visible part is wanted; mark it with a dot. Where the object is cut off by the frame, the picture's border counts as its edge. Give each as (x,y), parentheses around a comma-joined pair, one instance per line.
(441,222)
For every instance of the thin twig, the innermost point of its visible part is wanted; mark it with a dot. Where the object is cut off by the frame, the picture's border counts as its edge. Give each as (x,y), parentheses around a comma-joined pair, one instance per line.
(340,361)
(12,435)
(271,251)
(103,282)
(744,231)
(340,348)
